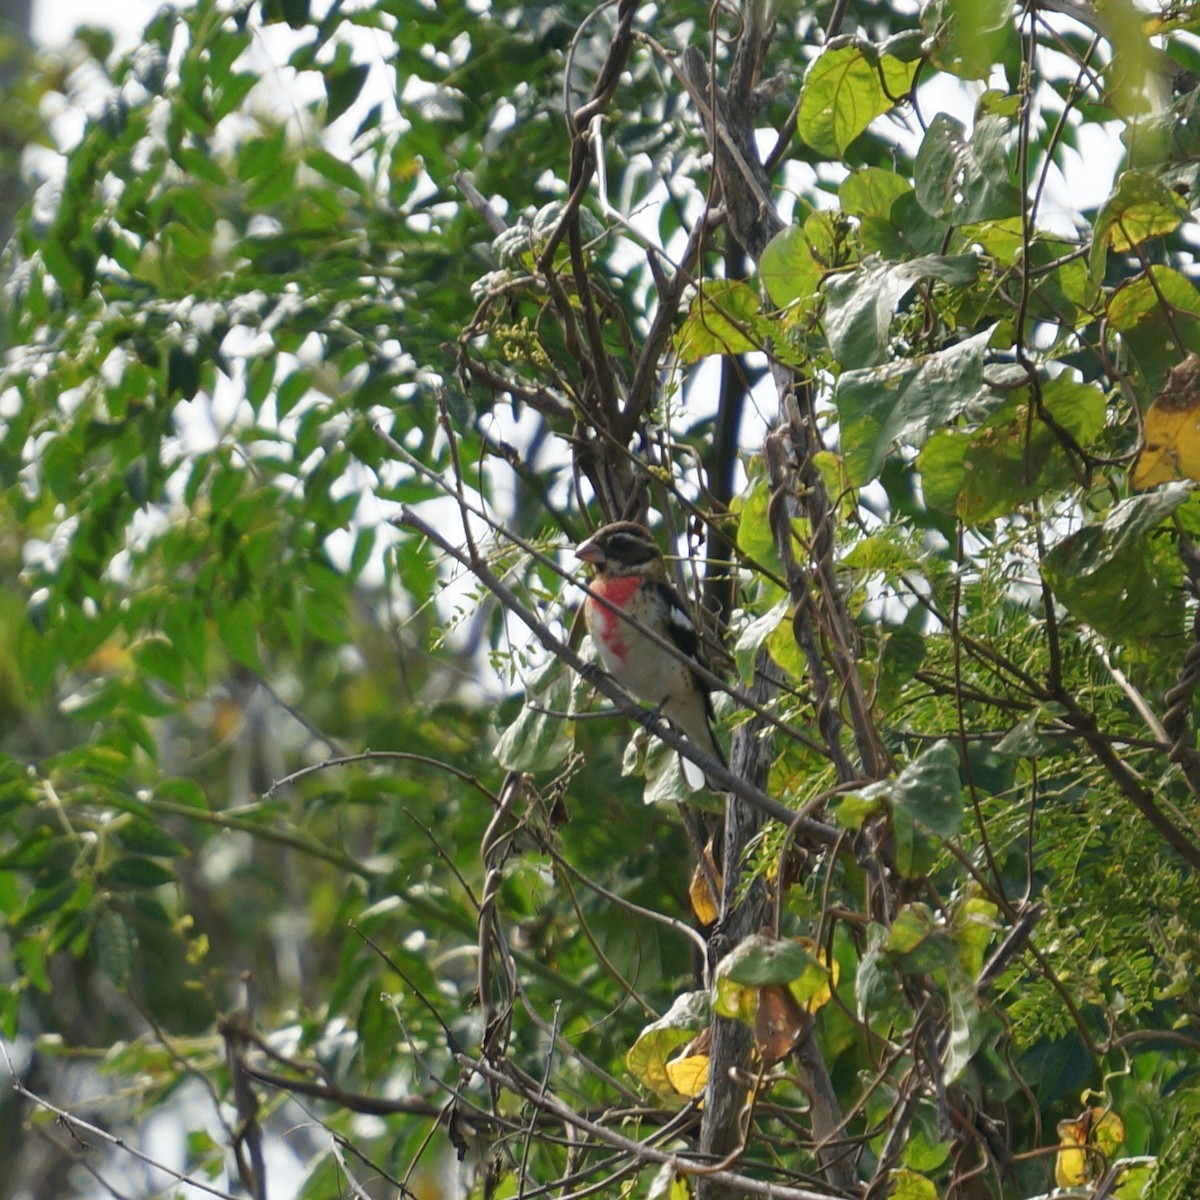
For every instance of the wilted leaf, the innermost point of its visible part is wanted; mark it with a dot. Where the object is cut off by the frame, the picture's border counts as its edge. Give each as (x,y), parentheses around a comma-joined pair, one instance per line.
(704,903)
(779,1023)
(1086,1144)
(1171,431)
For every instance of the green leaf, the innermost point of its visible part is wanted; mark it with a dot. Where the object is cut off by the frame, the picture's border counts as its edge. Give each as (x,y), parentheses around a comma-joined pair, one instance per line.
(918,940)
(787,267)
(144,837)
(930,790)
(860,304)
(846,87)
(852,809)
(237,625)
(342,88)
(1113,575)
(647,1057)
(902,402)
(541,736)
(1141,207)
(966,180)
(292,390)
(136,871)
(974,35)
(114,945)
(908,1185)
(877,993)
(1014,457)
(158,657)
(723,319)
(758,961)
(334,169)
(891,221)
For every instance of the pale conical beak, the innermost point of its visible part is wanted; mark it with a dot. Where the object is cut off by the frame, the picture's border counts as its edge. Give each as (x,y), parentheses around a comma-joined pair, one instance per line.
(590,552)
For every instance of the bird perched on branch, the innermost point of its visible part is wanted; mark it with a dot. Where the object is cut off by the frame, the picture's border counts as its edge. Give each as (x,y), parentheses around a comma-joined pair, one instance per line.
(631,577)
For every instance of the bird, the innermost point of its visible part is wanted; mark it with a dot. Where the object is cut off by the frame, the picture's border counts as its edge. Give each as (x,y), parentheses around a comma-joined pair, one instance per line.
(631,576)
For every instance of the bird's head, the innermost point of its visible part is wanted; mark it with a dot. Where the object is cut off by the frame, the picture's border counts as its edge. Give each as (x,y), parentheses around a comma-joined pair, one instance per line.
(623,548)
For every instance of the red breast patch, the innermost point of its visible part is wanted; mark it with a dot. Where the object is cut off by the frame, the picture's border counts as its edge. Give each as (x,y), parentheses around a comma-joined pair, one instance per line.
(605,623)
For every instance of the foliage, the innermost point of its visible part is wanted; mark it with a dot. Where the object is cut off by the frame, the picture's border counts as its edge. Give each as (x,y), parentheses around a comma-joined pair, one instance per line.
(330,334)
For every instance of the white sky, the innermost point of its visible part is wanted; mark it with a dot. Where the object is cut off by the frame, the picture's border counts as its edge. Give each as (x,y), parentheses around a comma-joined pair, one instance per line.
(55,20)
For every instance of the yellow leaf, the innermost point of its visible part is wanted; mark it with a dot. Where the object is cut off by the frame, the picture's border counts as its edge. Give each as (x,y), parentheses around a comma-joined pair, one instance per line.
(689,1075)
(704,903)
(1086,1145)
(814,989)
(1108,1131)
(1071,1164)
(1171,433)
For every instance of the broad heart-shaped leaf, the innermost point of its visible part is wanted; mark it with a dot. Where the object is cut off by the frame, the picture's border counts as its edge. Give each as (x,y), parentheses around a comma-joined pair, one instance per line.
(859,305)
(926,805)
(966,180)
(846,87)
(930,789)
(918,941)
(647,1057)
(903,402)
(1171,432)
(904,1184)
(1136,311)
(723,319)
(877,993)
(890,221)
(1014,457)
(1141,206)
(759,960)
(540,736)
(1117,578)
(788,269)
(970,35)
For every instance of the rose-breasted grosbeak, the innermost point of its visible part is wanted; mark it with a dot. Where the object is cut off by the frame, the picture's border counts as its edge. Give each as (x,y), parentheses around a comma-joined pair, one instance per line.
(632,578)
